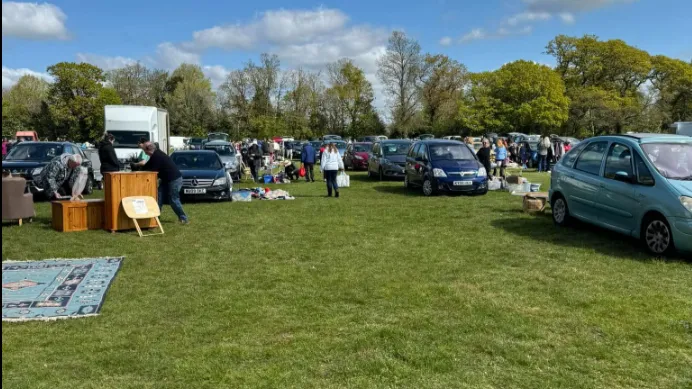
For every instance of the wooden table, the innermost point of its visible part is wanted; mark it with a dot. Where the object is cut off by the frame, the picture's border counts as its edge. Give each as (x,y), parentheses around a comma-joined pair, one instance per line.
(120,185)
(81,215)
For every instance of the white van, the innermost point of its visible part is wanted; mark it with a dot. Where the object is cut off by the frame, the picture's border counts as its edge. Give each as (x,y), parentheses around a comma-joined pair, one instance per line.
(129,123)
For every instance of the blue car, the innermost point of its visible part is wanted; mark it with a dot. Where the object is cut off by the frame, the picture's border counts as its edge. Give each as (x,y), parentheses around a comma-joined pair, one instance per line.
(638,185)
(444,166)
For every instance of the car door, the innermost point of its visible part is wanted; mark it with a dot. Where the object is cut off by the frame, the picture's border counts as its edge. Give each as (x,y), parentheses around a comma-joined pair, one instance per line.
(348,158)
(374,160)
(617,201)
(422,164)
(411,163)
(583,182)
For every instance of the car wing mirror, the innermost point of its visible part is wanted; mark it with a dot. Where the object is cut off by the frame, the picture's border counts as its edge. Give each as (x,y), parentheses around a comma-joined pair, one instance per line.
(623,177)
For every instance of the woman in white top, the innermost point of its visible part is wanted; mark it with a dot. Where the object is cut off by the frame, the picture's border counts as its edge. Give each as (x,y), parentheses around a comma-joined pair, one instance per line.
(330,165)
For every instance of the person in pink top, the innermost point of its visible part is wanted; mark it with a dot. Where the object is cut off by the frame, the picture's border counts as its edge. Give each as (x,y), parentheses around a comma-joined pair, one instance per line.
(4,146)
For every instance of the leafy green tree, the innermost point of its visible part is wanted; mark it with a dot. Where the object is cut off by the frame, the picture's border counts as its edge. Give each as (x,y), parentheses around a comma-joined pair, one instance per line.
(21,105)
(672,82)
(442,88)
(350,97)
(137,85)
(76,100)
(190,104)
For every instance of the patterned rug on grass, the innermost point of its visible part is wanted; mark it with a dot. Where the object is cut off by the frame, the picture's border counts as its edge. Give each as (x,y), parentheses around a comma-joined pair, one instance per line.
(56,288)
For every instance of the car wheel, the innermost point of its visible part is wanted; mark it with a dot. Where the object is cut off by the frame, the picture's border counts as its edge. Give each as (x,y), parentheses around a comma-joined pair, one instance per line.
(428,189)
(369,173)
(89,187)
(561,215)
(657,236)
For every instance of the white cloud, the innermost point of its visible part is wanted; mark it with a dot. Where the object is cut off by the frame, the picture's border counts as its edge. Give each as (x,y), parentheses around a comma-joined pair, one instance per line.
(217,74)
(276,27)
(559,6)
(33,21)
(104,62)
(474,35)
(528,17)
(11,76)
(567,17)
(170,56)
(446,41)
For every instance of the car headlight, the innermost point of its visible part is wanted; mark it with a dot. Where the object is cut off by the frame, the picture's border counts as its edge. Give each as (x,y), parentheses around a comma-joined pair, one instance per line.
(438,173)
(482,172)
(686,202)
(220,182)
(36,171)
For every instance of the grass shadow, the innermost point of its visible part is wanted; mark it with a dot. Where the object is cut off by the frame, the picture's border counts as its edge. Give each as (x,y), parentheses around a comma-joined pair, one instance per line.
(578,236)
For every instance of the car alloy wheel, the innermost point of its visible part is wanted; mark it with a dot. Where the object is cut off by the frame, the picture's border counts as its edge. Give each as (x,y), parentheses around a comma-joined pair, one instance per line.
(559,211)
(427,187)
(658,237)
(89,187)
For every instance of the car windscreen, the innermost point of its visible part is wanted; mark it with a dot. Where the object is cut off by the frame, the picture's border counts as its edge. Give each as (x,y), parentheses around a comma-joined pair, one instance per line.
(129,139)
(362,148)
(206,161)
(450,153)
(197,141)
(395,148)
(672,160)
(225,151)
(213,137)
(41,152)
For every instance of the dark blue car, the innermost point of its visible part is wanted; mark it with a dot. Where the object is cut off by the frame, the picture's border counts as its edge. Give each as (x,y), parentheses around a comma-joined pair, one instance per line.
(444,166)
(204,175)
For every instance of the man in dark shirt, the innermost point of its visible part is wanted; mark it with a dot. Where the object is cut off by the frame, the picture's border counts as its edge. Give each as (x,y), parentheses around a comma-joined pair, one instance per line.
(170,179)
(484,156)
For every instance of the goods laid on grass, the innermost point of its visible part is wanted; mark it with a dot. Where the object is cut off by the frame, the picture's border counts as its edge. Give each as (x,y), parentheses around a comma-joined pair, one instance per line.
(56,289)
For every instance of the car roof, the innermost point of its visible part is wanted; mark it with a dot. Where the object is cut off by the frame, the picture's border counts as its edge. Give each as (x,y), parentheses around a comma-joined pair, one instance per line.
(195,152)
(42,143)
(440,142)
(218,143)
(394,141)
(646,138)
(363,143)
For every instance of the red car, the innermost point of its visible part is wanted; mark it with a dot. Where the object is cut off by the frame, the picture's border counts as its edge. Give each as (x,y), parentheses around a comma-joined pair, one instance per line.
(357,155)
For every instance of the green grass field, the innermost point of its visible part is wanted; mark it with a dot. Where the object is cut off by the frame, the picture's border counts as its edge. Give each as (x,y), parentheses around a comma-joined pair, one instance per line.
(382,288)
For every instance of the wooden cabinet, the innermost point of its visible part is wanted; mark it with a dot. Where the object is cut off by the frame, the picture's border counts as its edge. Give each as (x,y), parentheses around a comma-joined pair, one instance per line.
(120,185)
(71,216)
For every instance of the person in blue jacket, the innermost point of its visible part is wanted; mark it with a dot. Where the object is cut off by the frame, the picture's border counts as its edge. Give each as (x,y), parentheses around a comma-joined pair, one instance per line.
(308,160)
(500,158)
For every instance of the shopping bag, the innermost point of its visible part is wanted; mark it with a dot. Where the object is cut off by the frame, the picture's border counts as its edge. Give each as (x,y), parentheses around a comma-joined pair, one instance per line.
(301,172)
(343,180)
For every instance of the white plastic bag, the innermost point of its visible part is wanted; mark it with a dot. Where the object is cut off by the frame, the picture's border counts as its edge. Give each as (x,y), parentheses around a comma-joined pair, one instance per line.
(80,182)
(494,184)
(343,180)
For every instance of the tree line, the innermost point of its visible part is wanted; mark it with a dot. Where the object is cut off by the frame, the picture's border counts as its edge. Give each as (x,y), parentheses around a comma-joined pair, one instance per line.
(597,87)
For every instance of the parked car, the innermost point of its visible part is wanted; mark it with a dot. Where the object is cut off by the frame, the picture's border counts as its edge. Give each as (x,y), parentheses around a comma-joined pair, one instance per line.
(317,145)
(340,145)
(196,143)
(331,137)
(204,175)
(426,136)
(228,155)
(372,138)
(216,136)
(453,137)
(388,159)
(357,156)
(638,185)
(444,166)
(27,159)
(298,149)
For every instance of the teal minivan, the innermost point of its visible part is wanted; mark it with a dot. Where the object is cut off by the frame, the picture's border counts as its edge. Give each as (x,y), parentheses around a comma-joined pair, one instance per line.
(637,184)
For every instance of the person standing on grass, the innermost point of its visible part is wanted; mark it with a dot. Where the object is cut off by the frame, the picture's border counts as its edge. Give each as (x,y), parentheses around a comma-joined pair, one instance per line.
(255,159)
(170,179)
(543,147)
(500,158)
(308,159)
(107,156)
(330,165)
(289,150)
(484,155)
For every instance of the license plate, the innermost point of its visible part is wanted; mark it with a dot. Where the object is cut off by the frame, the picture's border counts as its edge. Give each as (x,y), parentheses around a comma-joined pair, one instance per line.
(463,183)
(194,191)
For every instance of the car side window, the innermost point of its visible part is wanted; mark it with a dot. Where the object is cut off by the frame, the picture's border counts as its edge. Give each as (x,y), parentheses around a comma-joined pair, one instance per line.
(67,149)
(413,151)
(619,159)
(590,160)
(572,155)
(644,175)
(422,153)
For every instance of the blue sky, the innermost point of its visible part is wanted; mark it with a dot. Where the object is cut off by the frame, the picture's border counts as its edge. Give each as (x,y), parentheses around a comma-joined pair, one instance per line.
(221,36)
